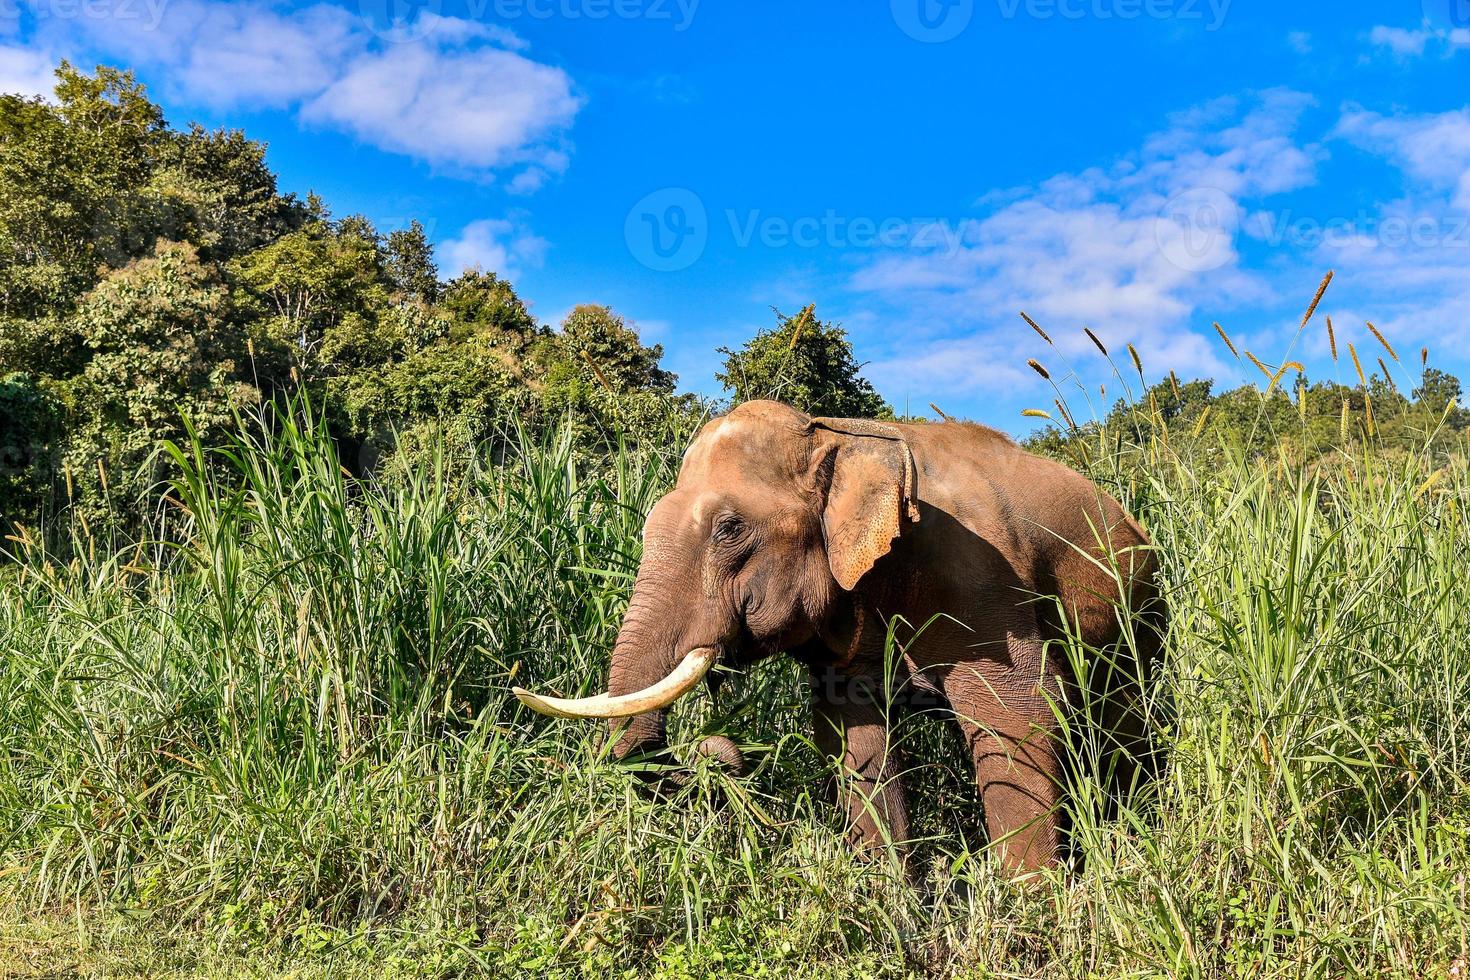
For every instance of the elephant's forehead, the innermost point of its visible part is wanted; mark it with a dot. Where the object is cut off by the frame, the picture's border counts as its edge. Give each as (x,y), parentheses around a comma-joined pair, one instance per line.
(733,445)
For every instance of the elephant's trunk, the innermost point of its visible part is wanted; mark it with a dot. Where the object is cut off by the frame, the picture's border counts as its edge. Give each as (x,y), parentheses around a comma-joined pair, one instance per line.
(643,656)
(649,672)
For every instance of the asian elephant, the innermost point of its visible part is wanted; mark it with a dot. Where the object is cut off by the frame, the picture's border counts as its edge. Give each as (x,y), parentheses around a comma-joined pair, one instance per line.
(806,535)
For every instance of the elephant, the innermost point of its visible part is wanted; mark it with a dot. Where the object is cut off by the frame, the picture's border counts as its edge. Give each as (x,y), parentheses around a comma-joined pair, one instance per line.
(808,536)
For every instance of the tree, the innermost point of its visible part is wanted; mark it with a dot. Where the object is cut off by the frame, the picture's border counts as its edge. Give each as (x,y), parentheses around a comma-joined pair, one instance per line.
(411,266)
(1437,391)
(480,302)
(323,296)
(219,194)
(30,434)
(806,363)
(69,180)
(601,343)
(162,349)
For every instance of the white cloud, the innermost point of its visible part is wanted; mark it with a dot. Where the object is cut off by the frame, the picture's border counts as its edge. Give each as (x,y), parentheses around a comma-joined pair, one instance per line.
(1414,42)
(458,94)
(1132,250)
(221,54)
(1433,148)
(482,107)
(1409,262)
(496,245)
(26,71)
(1401,41)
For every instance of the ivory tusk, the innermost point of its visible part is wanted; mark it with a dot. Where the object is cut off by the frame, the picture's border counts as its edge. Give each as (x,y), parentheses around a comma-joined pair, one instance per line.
(695,665)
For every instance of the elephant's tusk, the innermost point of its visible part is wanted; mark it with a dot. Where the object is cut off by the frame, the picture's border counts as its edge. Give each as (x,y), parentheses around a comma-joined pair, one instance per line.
(696,664)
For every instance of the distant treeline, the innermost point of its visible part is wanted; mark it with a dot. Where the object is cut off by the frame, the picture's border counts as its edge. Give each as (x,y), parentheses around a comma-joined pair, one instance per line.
(1302,418)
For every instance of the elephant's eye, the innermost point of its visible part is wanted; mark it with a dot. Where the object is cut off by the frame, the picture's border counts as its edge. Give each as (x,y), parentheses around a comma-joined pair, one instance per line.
(728,528)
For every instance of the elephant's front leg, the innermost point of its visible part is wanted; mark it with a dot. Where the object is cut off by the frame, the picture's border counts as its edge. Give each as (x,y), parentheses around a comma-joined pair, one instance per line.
(850,721)
(1014,740)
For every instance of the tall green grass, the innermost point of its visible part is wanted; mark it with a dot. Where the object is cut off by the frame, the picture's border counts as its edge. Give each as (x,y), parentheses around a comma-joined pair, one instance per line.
(284,723)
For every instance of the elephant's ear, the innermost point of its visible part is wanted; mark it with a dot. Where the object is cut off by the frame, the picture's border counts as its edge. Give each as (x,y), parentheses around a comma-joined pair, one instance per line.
(866,474)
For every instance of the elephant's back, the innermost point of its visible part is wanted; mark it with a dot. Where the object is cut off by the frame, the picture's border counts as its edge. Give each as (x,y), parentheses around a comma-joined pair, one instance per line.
(1062,534)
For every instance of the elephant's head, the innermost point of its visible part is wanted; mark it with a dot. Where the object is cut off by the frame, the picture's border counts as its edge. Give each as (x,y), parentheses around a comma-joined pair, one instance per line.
(774,519)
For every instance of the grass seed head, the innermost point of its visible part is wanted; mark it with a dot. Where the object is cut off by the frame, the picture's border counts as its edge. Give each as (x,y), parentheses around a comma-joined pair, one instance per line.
(1226,337)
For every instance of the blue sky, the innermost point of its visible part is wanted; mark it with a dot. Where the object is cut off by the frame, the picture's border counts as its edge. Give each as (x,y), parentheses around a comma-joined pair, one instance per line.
(920,169)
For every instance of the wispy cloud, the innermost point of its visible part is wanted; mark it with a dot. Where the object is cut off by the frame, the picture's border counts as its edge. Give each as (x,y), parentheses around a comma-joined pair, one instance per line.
(498,245)
(1430,148)
(1404,42)
(25,70)
(478,106)
(1131,250)
(1409,263)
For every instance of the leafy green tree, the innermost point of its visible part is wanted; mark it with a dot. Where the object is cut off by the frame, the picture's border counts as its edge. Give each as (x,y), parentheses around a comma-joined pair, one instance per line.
(219,195)
(597,371)
(610,352)
(69,180)
(162,349)
(411,266)
(31,427)
(805,363)
(481,302)
(466,361)
(1439,391)
(321,296)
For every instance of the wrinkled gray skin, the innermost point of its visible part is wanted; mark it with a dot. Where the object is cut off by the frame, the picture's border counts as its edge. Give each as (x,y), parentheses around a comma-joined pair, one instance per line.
(785,533)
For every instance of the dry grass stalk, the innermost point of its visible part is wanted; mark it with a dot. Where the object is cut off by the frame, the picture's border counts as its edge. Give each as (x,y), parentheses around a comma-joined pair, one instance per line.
(1358,365)
(1036,327)
(1384,341)
(1225,337)
(1036,366)
(1312,308)
(1066,415)
(1098,343)
(802,319)
(1386,376)
(1332,340)
(1199,425)
(596,370)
